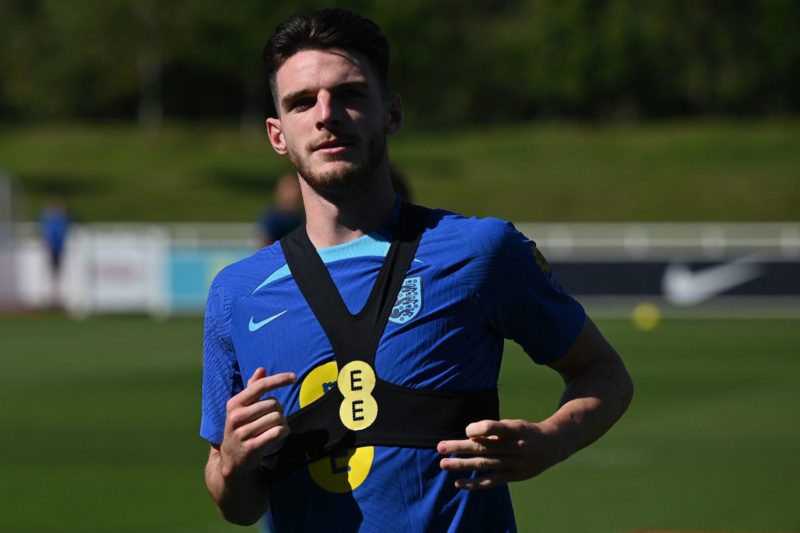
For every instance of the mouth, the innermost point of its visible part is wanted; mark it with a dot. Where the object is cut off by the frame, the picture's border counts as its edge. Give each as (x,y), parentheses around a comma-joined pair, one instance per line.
(332,146)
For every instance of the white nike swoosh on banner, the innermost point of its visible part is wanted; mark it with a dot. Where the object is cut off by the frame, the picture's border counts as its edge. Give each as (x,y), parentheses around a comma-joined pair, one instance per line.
(253,326)
(681,286)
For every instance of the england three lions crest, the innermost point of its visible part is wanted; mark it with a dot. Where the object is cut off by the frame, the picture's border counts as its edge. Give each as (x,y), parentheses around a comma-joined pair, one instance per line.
(409,301)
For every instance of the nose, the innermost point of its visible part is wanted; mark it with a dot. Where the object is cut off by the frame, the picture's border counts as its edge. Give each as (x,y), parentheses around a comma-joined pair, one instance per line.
(327,110)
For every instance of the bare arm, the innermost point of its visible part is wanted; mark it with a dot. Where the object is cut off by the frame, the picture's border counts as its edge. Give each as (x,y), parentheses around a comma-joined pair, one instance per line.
(253,428)
(597,392)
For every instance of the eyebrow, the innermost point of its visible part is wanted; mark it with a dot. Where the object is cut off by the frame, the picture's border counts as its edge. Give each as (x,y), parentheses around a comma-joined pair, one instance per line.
(289,98)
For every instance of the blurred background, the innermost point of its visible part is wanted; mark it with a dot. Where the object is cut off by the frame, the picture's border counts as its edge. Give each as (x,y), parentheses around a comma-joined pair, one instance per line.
(651,148)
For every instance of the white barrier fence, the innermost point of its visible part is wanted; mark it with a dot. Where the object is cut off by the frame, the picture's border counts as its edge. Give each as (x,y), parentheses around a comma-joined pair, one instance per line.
(166,269)
(104,271)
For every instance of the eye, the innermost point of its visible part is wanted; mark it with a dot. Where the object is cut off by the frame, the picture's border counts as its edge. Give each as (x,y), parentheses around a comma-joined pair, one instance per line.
(352,93)
(301,104)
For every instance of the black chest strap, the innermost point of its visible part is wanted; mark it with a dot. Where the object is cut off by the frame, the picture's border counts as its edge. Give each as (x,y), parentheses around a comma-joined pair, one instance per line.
(418,418)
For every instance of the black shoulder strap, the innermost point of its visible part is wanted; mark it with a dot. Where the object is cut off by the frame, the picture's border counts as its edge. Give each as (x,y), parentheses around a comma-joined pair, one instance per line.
(355,336)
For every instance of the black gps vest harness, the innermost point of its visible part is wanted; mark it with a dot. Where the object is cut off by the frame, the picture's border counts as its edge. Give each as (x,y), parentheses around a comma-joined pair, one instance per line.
(362,409)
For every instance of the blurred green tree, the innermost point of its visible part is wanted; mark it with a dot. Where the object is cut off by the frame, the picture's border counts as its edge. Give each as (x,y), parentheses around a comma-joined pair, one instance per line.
(454,62)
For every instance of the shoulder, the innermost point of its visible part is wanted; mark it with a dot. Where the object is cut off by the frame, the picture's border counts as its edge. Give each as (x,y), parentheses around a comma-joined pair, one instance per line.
(243,276)
(474,236)
(475,250)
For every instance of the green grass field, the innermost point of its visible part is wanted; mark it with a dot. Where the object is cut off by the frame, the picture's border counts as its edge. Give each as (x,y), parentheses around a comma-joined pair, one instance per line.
(99,426)
(672,171)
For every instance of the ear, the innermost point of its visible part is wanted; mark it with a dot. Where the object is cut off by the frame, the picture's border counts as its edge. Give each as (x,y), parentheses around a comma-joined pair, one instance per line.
(395,114)
(275,134)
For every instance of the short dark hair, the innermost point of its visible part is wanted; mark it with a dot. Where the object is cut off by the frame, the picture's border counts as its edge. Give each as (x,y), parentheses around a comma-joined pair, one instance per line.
(325,29)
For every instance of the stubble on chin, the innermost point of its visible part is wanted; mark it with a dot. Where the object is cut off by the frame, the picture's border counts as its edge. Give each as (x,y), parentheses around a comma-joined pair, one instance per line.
(344,181)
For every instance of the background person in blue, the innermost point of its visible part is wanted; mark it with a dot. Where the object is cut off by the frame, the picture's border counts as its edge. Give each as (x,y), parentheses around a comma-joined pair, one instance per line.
(55,222)
(472,283)
(285,214)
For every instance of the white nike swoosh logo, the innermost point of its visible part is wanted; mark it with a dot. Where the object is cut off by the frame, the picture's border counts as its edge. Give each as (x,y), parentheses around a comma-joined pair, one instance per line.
(681,286)
(253,326)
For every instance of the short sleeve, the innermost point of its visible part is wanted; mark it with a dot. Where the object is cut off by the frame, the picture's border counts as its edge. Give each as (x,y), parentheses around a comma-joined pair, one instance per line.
(221,377)
(523,299)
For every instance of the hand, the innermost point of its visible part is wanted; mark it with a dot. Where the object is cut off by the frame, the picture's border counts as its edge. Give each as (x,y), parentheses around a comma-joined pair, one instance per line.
(505,450)
(254,427)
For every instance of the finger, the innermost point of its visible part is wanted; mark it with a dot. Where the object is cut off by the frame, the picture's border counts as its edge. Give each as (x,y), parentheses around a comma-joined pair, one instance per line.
(258,374)
(243,414)
(447,447)
(481,483)
(475,446)
(505,429)
(245,397)
(263,385)
(271,439)
(260,425)
(456,464)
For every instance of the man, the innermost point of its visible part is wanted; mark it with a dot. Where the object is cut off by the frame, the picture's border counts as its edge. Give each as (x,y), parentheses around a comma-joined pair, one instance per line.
(286,334)
(55,224)
(285,214)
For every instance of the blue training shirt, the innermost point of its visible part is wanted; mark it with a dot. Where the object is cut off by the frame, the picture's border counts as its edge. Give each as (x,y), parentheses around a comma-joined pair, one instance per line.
(473,282)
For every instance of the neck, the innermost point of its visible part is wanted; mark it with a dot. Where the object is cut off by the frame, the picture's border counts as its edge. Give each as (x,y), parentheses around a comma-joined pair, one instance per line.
(330,222)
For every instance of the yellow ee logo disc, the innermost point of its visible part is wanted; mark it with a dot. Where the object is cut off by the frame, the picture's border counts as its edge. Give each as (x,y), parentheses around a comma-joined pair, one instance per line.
(342,471)
(356,382)
(318,382)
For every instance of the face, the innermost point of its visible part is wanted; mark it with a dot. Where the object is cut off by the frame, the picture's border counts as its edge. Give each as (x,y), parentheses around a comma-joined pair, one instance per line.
(332,120)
